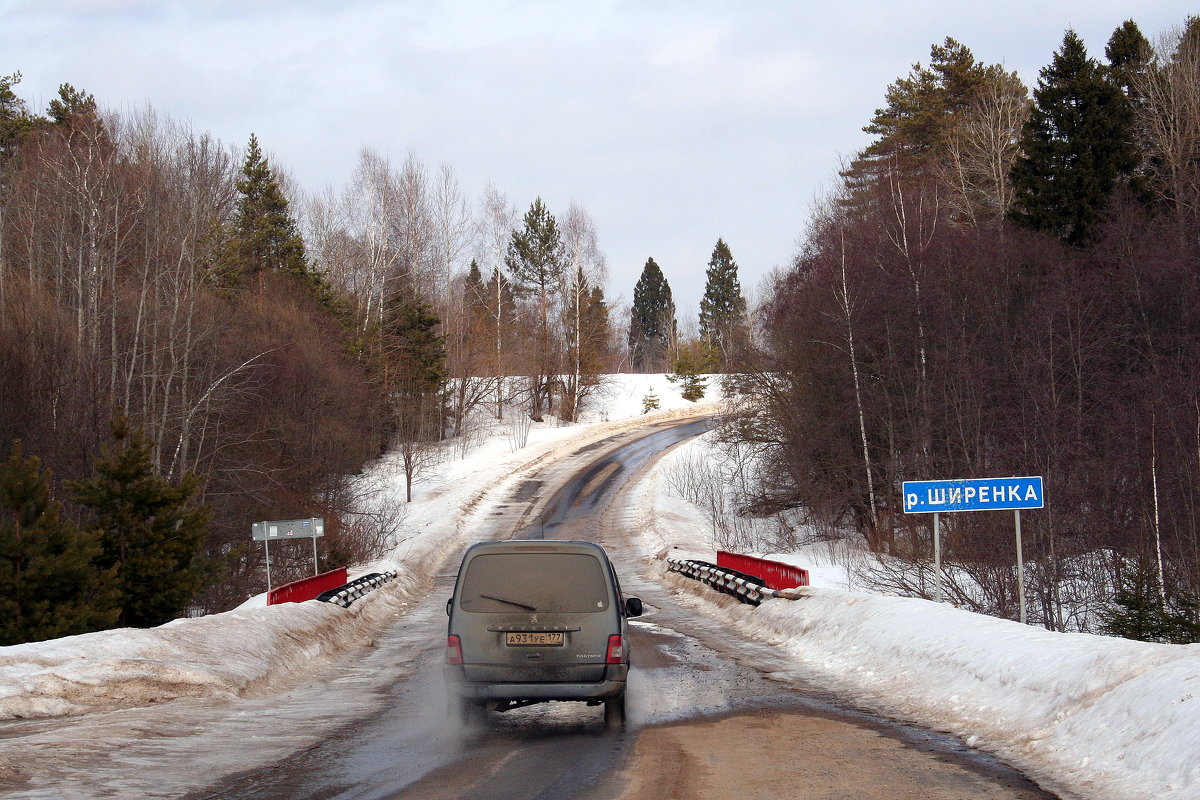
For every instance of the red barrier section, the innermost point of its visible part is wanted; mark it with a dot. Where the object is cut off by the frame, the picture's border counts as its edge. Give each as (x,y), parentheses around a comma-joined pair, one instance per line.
(775,574)
(307,589)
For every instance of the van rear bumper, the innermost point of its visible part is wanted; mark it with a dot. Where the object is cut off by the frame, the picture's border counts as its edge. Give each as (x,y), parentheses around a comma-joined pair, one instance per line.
(614,682)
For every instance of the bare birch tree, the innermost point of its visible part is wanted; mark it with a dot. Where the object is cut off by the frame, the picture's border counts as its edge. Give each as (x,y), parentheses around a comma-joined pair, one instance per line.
(1169,119)
(585,318)
(981,145)
(497,219)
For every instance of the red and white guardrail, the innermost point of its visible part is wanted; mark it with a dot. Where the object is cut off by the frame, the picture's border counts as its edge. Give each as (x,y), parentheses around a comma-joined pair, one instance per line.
(746,588)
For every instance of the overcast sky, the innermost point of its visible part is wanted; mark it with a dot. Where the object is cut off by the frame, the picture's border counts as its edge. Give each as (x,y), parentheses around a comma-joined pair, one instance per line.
(671,123)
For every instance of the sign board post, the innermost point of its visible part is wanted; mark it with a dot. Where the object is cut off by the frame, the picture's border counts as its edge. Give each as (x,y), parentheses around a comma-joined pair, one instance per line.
(1020,567)
(937,559)
(279,530)
(974,494)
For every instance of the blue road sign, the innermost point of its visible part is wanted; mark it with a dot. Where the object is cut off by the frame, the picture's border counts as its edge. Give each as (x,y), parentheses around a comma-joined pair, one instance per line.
(973,494)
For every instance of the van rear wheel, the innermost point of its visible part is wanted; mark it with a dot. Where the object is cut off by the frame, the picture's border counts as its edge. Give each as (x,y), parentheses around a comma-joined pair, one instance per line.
(614,711)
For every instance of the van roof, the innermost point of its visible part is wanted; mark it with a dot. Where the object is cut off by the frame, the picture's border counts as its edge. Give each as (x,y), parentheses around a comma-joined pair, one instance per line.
(537,546)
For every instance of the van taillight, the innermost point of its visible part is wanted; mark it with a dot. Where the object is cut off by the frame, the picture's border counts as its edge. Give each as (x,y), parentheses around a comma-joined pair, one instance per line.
(616,650)
(454,650)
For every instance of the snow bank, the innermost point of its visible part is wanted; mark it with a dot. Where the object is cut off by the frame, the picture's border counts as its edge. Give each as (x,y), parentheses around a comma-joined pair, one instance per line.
(237,653)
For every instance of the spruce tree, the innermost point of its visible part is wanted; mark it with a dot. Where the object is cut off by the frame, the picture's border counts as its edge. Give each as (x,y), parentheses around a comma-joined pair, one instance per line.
(690,362)
(1075,147)
(50,583)
(264,236)
(1129,57)
(1138,612)
(651,320)
(475,298)
(723,324)
(150,531)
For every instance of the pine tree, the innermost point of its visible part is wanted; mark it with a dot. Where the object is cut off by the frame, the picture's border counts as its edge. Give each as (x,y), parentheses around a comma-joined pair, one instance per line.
(921,106)
(264,237)
(1075,147)
(15,119)
(416,376)
(50,584)
(723,324)
(535,259)
(651,320)
(535,254)
(71,106)
(150,532)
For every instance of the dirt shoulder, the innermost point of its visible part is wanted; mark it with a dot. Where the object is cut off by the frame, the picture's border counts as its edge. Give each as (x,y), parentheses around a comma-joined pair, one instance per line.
(782,754)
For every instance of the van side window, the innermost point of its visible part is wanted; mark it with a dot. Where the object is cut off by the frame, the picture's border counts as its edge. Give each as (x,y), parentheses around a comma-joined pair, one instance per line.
(569,583)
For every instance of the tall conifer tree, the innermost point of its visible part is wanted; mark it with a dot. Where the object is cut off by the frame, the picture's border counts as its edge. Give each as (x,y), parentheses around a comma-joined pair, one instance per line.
(723,324)
(1075,147)
(1129,57)
(535,259)
(264,237)
(651,320)
(417,370)
(15,119)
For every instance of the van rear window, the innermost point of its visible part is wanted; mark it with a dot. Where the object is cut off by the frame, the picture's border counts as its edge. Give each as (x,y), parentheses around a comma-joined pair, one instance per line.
(569,583)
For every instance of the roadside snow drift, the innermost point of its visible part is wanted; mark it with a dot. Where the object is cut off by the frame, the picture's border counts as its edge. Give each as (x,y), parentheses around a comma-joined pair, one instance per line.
(237,653)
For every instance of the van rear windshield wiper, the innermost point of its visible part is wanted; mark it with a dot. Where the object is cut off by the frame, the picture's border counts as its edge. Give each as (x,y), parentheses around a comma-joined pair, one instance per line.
(510,602)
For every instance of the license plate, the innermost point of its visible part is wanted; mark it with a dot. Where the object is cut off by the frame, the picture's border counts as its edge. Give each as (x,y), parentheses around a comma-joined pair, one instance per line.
(535,639)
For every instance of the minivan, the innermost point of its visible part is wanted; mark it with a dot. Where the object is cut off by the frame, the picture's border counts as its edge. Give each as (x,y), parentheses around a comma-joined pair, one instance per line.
(533,621)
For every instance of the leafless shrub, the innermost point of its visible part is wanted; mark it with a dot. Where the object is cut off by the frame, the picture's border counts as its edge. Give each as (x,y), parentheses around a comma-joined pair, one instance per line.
(707,480)
(473,430)
(517,424)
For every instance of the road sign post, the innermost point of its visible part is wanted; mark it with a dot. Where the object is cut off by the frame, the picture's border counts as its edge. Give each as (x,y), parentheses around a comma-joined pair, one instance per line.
(974,494)
(283,529)
(1020,567)
(937,559)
